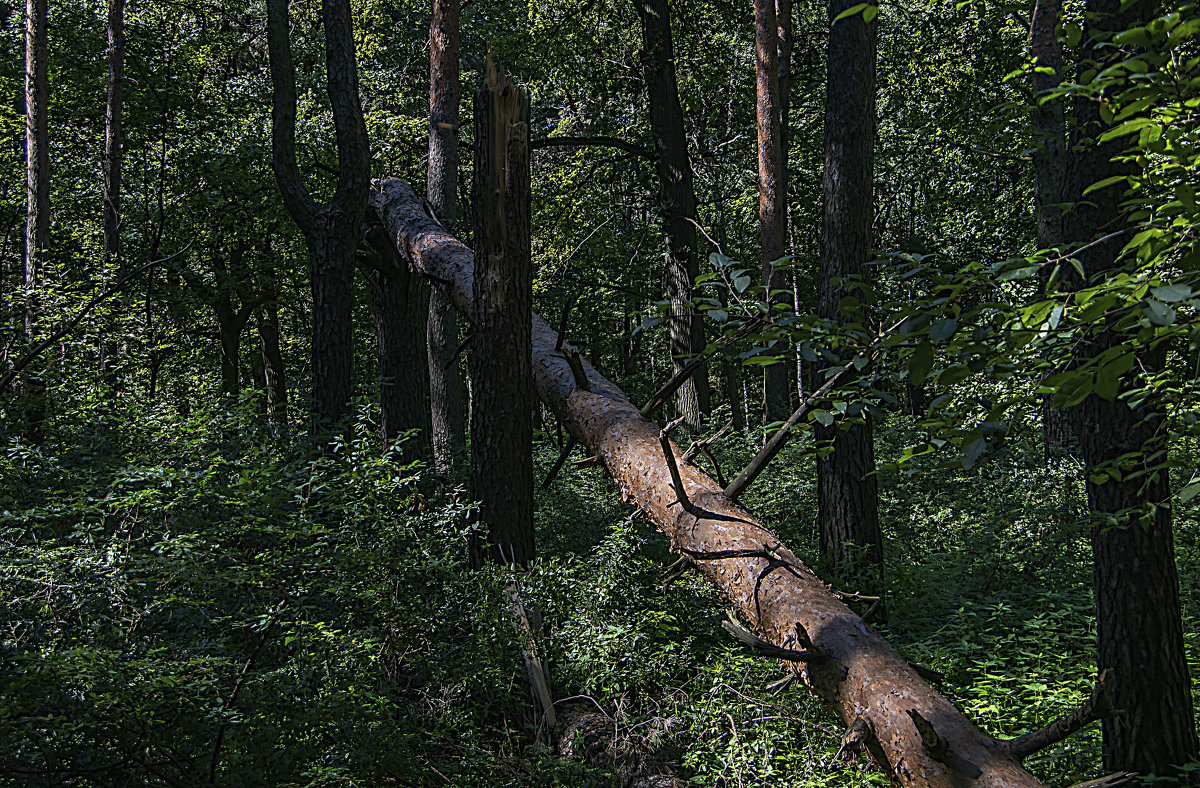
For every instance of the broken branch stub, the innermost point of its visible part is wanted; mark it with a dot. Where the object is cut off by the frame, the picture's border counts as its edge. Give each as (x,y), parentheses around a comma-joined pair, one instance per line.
(773,591)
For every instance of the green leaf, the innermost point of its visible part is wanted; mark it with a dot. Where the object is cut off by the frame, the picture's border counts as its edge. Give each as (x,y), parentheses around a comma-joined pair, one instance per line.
(824,417)
(1172,294)
(1106,182)
(954,373)
(920,363)
(741,283)
(851,11)
(869,13)
(1158,313)
(719,315)
(973,452)
(943,329)
(1189,492)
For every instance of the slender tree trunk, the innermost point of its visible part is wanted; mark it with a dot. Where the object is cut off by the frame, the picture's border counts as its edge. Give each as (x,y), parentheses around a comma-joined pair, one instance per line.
(229,329)
(445,378)
(847,495)
(274,374)
(36,241)
(1139,631)
(112,135)
(772,201)
(331,230)
(501,359)
(677,194)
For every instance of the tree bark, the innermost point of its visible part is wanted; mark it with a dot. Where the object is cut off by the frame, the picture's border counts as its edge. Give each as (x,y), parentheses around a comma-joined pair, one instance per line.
(772,200)
(445,378)
(112,134)
(1139,631)
(848,502)
(36,240)
(502,407)
(858,674)
(274,373)
(1050,176)
(400,304)
(331,230)
(677,194)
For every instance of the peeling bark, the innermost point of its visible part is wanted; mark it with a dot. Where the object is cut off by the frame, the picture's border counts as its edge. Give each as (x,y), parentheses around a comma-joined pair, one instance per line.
(783,601)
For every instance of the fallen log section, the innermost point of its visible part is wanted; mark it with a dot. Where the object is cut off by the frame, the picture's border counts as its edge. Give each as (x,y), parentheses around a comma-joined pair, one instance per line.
(916,734)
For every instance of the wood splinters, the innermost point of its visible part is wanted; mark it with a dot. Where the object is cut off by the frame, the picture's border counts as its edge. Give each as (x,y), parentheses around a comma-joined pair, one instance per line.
(587,462)
(853,742)
(934,744)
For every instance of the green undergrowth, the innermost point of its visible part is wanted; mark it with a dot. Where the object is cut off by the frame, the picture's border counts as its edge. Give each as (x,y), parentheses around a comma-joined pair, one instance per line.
(194,600)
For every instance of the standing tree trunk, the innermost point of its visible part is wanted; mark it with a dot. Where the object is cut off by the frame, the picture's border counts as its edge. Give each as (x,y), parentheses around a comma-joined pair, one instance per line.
(36,240)
(772,200)
(847,497)
(331,230)
(400,303)
(445,380)
(1139,632)
(1050,174)
(677,195)
(112,134)
(267,320)
(501,356)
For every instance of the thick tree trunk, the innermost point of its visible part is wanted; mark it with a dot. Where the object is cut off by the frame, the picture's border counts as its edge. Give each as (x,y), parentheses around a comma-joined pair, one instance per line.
(1139,633)
(445,379)
(400,304)
(772,201)
(1050,175)
(502,408)
(677,194)
(36,240)
(848,502)
(859,674)
(331,230)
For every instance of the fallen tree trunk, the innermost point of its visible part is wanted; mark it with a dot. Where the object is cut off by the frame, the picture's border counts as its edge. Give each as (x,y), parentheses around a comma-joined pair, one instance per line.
(923,740)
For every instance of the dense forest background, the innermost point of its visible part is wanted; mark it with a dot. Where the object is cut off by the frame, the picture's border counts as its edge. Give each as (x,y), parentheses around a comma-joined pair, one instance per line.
(202,584)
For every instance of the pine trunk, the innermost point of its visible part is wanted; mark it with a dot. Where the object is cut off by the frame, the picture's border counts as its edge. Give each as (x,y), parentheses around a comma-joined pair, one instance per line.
(677,194)
(776,594)
(851,544)
(445,378)
(502,407)
(36,240)
(1139,631)
(772,199)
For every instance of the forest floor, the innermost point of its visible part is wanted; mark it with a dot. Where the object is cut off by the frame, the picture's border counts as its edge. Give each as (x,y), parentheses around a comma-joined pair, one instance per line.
(195,600)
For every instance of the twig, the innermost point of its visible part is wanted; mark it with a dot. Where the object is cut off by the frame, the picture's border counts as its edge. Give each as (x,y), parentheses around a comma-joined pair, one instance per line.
(558,464)
(772,447)
(664,438)
(457,352)
(577,372)
(40,348)
(1094,708)
(763,647)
